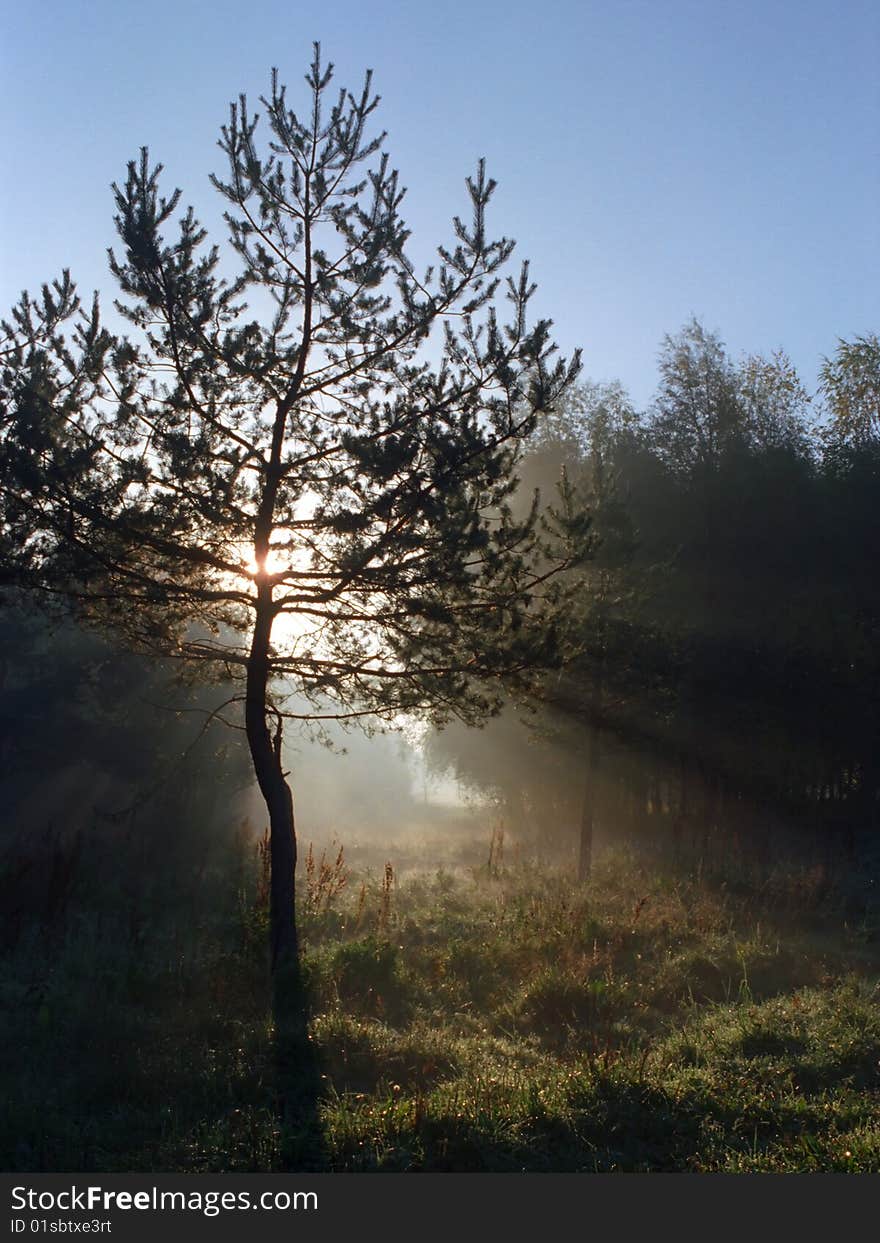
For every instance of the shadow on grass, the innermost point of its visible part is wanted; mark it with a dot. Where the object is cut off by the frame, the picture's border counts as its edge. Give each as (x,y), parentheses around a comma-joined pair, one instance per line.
(297,1075)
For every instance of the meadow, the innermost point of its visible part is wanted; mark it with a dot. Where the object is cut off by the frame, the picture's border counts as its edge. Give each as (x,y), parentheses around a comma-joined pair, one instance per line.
(486,1016)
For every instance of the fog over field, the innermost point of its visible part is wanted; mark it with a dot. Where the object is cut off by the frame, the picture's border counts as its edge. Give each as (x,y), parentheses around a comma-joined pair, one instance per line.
(439,595)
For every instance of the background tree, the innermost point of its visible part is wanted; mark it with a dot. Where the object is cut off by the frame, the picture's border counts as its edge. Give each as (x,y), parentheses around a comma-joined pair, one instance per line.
(596,430)
(850,382)
(774,403)
(541,763)
(317,493)
(696,414)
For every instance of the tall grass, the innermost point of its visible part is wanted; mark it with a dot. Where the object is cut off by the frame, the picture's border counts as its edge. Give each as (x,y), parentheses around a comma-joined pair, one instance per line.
(498,1017)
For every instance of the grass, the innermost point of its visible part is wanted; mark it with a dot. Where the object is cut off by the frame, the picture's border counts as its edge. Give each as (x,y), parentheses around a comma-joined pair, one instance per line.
(490,1019)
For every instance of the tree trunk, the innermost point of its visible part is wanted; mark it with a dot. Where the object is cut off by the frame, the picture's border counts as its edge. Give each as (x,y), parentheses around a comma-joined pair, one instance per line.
(585,854)
(266,754)
(588,810)
(295,1065)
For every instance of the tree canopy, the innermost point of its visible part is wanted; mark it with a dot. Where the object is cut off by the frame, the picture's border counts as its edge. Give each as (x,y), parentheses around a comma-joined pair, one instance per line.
(296,467)
(318,447)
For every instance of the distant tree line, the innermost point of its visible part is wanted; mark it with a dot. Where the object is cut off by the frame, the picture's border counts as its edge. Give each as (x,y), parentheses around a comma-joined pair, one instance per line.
(726,686)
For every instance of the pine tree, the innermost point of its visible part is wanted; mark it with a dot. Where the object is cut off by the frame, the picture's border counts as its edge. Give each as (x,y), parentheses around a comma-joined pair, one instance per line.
(307,492)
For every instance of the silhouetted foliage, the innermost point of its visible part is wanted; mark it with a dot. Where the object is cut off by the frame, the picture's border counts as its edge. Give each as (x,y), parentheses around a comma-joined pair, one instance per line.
(341,463)
(728,624)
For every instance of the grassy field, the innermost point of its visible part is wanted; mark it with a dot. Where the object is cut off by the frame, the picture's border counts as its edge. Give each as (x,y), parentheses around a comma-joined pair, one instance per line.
(491,1017)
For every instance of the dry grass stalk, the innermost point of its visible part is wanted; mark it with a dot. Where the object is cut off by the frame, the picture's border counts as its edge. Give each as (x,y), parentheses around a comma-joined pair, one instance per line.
(362,902)
(385,898)
(325,879)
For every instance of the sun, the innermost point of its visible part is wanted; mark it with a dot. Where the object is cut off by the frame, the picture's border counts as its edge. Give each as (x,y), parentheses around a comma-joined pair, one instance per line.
(274,563)
(288,629)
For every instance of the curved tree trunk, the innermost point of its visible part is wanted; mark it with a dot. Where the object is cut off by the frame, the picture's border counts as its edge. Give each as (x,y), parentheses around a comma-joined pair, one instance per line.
(295,1066)
(266,754)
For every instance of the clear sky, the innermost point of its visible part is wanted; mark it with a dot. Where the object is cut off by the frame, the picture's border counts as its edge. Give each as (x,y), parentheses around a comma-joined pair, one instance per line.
(655,158)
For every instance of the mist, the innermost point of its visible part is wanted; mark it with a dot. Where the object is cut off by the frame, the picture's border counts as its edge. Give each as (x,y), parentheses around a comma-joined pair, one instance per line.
(657,860)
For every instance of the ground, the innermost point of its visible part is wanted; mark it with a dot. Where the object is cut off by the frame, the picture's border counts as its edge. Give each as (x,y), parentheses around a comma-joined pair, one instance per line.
(489,1016)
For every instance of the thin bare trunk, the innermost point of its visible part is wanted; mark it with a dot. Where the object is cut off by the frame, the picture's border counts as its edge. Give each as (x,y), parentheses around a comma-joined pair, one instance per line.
(266,754)
(585,854)
(588,810)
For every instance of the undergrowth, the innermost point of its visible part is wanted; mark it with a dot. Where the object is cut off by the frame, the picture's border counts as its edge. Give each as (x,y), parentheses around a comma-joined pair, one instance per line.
(500,1019)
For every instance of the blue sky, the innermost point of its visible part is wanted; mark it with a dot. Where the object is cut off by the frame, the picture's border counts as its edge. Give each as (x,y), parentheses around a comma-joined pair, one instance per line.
(655,158)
